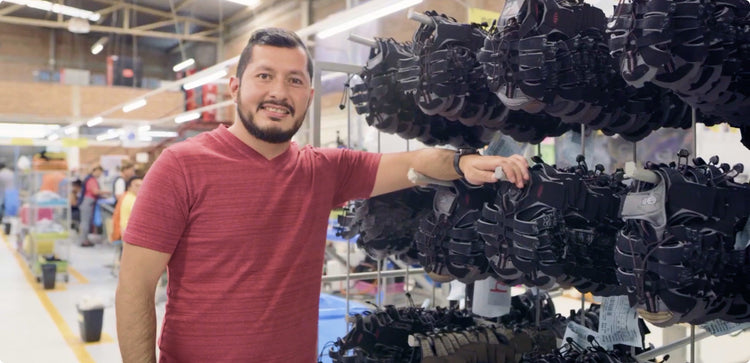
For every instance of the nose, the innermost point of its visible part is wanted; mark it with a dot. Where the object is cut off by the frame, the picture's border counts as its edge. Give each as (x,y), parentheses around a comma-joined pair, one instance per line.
(278,89)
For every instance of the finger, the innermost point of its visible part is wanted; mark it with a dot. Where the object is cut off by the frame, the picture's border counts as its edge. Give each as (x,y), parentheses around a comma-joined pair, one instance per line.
(522,164)
(517,174)
(479,177)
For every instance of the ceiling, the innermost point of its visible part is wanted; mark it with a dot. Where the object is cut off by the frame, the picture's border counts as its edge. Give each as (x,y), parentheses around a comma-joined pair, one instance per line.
(151,20)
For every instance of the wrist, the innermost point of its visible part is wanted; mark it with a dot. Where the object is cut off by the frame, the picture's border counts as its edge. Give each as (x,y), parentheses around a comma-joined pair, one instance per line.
(457,159)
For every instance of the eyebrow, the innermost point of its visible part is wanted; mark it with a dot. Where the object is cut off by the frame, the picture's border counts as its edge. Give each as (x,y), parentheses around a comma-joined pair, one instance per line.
(267,68)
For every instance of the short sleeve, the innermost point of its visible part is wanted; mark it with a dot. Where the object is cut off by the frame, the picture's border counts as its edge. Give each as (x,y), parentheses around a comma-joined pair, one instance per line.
(161,210)
(119,186)
(355,174)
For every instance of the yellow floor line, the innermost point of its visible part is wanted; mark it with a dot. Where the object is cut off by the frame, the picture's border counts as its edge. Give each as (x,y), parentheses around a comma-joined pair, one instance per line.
(77,275)
(74,342)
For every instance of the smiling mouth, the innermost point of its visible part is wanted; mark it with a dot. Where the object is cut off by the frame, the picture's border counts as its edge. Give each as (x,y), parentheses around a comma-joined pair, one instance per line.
(276,109)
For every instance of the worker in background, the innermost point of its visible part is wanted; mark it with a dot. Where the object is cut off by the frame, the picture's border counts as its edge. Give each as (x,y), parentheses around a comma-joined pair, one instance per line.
(6,183)
(238,216)
(90,192)
(127,171)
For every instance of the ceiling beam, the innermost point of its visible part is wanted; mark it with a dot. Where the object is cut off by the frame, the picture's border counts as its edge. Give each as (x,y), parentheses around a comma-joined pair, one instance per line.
(107,29)
(10,9)
(160,13)
(155,25)
(183,4)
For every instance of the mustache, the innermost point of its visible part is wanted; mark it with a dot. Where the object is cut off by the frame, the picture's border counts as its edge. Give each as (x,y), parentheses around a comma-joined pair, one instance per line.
(277,103)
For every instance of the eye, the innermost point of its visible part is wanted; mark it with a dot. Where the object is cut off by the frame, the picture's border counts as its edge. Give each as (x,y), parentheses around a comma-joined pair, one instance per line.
(296,81)
(264,76)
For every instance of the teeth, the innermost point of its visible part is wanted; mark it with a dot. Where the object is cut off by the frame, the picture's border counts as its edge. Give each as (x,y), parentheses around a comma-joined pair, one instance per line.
(275,109)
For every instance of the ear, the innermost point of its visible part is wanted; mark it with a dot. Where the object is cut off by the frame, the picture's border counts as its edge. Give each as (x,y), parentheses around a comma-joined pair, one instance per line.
(234,87)
(309,100)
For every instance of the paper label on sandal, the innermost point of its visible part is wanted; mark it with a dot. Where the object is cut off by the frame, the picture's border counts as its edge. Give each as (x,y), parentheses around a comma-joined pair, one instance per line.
(491,298)
(719,327)
(618,322)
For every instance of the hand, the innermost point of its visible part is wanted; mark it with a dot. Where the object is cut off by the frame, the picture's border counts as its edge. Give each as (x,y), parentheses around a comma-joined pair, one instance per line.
(480,169)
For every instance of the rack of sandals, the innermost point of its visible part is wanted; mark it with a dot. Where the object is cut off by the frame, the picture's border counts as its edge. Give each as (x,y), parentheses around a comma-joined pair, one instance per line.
(668,239)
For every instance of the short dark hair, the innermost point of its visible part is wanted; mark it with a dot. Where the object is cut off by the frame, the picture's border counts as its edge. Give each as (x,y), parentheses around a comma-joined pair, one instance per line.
(275,37)
(131,180)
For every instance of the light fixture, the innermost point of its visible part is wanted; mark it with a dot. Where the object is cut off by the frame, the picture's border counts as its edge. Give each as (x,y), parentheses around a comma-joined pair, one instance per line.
(250,3)
(31,131)
(134,105)
(366,17)
(58,9)
(184,64)
(70,130)
(161,134)
(109,135)
(185,117)
(144,128)
(53,137)
(204,80)
(98,46)
(94,121)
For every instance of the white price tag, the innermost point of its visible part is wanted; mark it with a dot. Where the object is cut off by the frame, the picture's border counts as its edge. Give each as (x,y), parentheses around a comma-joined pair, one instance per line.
(580,335)
(720,327)
(618,322)
(491,298)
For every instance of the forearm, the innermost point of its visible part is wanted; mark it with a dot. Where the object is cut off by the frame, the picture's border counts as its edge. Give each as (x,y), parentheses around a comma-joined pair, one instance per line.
(435,163)
(136,326)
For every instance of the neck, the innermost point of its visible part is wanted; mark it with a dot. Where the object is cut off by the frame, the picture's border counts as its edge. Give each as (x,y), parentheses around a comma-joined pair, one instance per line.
(267,149)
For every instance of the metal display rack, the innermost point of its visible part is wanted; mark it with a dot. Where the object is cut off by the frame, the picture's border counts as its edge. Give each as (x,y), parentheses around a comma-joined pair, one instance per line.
(405,271)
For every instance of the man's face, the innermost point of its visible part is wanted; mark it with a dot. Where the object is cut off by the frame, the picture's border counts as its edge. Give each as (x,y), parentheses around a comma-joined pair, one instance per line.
(128,173)
(274,93)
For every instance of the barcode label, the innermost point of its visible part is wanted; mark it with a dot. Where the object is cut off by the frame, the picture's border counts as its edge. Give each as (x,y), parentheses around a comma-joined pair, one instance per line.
(720,327)
(618,322)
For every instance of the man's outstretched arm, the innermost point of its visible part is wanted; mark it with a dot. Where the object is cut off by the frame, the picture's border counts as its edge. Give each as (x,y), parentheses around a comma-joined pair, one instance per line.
(438,164)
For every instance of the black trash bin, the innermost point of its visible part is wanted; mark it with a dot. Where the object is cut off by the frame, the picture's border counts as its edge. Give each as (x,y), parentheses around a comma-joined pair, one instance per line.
(49,275)
(90,323)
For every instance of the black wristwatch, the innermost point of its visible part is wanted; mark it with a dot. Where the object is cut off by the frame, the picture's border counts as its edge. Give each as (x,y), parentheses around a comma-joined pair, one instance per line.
(459,153)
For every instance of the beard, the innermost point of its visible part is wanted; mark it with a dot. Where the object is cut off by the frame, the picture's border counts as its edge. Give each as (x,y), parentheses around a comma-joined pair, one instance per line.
(272,134)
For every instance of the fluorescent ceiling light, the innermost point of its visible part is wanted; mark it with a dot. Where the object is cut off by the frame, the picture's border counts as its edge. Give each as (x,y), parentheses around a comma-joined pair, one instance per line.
(185,117)
(161,134)
(109,135)
(99,45)
(204,80)
(367,17)
(70,130)
(58,9)
(31,131)
(184,64)
(134,105)
(144,128)
(250,3)
(94,121)
(53,137)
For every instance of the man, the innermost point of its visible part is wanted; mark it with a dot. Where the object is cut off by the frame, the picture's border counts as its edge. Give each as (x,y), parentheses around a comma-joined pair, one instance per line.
(239,215)
(127,171)
(90,192)
(6,182)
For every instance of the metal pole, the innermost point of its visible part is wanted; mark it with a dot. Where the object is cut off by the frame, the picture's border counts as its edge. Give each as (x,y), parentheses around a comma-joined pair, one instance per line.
(368,275)
(583,139)
(635,153)
(424,19)
(695,132)
(380,276)
(348,275)
(362,40)
(672,346)
(692,327)
(432,303)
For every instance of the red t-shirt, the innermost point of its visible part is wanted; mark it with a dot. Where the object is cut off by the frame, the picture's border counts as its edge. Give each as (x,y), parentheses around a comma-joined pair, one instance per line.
(92,188)
(247,237)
